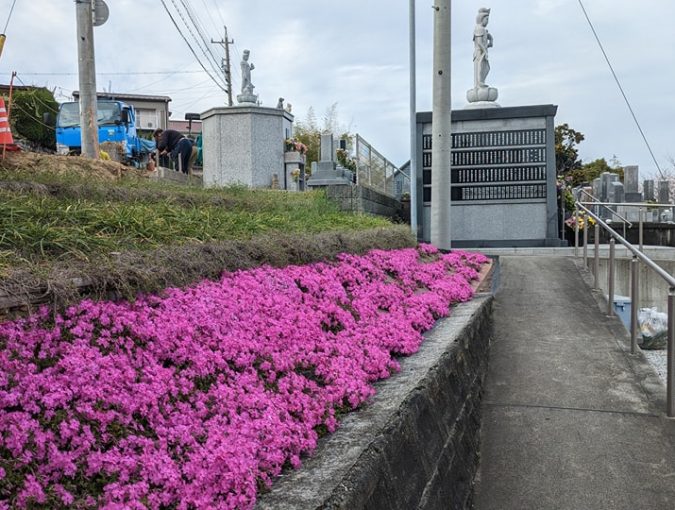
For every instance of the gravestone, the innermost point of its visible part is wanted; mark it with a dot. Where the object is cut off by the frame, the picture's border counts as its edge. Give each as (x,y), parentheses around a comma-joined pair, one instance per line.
(631,176)
(649,191)
(607,179)
(597,192)
(664,192)
(616,193)
(607,192)
(327,172)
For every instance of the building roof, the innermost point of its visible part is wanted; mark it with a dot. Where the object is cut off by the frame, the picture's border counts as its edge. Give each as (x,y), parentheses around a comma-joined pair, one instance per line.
(183,125)
(127,97)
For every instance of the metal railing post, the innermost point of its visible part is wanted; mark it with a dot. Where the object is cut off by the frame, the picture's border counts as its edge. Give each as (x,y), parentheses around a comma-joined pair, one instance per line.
(642,229)
(634,304)
(576,230)
(670,397)
(596,261)
(585,243)
(610,278)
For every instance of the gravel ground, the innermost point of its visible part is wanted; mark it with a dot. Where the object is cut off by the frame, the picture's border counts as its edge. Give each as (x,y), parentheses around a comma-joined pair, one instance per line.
(658,361)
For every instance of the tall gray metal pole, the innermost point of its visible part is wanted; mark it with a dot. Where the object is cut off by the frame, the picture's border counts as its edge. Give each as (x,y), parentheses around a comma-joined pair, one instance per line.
(441,129)
(87,72)
(413,125)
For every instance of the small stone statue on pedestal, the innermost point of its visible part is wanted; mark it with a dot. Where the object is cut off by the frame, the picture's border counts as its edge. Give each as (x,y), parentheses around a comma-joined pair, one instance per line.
(481,95)
(247,96)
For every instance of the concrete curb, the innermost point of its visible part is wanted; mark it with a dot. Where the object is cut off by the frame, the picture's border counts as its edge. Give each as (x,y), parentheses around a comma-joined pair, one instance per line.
(415,445)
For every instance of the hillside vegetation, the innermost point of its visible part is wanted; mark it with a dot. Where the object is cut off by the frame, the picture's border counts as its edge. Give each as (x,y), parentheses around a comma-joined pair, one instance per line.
(66,222)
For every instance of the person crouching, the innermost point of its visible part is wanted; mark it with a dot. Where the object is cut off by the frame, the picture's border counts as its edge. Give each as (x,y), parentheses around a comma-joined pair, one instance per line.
(172,142)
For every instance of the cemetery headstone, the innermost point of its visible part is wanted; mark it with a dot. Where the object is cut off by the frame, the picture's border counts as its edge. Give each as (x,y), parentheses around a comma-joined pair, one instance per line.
(664,192)
(631,176)
(649,191)
(326,171)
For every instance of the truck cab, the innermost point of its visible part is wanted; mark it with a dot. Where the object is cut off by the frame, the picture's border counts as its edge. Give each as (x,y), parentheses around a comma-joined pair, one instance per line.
(116,123)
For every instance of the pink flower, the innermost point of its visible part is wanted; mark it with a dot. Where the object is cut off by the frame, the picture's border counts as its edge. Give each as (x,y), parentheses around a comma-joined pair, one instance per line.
(194,397)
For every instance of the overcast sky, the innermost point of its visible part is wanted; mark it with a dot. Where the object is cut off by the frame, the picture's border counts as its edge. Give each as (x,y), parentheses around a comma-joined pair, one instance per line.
(355,53)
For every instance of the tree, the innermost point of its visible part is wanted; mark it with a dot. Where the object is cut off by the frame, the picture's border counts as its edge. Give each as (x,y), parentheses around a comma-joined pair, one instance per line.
(594,169)
(28,108)
(566,152)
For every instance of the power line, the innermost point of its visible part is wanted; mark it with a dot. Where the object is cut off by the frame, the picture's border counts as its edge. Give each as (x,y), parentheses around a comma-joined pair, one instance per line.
(199,26)
(166,8)
(35,96)
(11,10)
(118,73)
(204,51)
(625,98)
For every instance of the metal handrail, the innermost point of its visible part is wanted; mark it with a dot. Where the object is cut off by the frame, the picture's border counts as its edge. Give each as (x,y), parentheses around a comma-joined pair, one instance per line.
(646,205)
(638,255)
(606,206)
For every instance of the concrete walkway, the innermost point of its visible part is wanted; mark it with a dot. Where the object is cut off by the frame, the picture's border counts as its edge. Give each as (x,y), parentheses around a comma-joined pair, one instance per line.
(570,419)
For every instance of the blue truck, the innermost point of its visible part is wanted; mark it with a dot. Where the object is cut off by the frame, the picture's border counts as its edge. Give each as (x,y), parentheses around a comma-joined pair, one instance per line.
(116,123)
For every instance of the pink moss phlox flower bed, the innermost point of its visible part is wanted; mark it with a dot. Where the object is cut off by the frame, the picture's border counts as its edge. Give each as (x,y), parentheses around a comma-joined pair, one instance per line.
(199,397)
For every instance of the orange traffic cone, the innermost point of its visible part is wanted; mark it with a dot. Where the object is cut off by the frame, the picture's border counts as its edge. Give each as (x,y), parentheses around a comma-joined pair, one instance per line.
(6,139)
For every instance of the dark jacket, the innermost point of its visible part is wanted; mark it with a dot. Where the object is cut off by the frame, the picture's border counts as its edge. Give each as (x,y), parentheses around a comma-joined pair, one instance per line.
(169,139)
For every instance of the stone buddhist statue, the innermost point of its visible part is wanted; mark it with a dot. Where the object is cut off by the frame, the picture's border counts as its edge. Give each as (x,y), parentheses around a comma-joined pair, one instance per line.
(482,40)
(247,95)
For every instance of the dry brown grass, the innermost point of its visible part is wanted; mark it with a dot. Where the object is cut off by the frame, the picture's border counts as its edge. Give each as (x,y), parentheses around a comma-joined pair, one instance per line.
(73,166)
(128,273)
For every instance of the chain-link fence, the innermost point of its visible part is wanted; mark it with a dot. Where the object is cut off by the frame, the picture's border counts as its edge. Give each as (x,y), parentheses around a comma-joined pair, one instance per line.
(372,169)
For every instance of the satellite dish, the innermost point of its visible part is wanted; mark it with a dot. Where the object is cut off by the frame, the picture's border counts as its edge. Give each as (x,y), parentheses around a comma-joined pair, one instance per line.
(100,13)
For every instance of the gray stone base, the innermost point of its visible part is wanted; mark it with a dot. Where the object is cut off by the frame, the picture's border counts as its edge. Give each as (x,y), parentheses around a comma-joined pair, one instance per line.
(482,95)
(515,243)
(415,445)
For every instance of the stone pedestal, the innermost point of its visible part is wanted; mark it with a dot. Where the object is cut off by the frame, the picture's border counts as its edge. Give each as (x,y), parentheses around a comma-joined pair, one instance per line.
(294,163)
(482,97)
(244,145)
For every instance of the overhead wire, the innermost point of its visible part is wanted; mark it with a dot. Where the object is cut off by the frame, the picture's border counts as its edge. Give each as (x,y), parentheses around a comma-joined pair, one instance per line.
(50,107)
(625,97)
(11,10)
(206,51)
(175,24)
(119,73)
(199,26)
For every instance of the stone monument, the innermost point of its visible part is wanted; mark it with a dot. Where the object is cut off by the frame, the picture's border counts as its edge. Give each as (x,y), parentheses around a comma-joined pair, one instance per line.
(649,191)
(327,172)
(631,178)
(481,95)
(664,192)
(247,96)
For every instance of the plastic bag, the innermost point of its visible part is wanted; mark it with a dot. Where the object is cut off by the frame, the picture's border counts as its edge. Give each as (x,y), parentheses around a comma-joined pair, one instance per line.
(653,326)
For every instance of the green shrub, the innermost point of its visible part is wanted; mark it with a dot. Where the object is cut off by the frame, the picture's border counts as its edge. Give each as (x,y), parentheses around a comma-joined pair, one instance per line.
(28,108)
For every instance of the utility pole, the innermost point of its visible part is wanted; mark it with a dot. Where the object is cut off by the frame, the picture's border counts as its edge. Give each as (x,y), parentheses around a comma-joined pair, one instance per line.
(413,124)
(441,155)
(87,72)
(227,66)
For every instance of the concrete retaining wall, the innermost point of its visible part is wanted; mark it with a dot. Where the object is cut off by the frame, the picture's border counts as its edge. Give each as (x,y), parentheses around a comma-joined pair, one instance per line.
(361,199)
(415,445)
